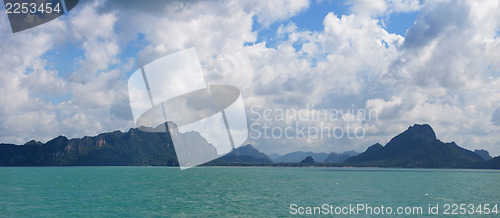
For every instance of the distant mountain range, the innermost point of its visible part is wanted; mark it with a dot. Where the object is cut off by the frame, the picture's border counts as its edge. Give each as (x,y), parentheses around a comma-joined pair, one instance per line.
(243,154)
(483,154)
(295,157)
(298,156)
(417,147)
(339,158)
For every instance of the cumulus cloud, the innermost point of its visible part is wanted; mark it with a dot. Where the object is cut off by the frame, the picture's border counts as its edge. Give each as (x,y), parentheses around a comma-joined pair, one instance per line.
(495,117)
(446,58)
(272,11)
(35,102)
(444,72)
(378,8)
(97,86)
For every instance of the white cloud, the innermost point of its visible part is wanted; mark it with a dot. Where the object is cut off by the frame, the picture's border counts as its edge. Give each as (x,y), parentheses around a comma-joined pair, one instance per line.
(405,5)
(268,12)
(369,8)
(377,8)
(97,87)
(495,117)
(445,72)
(447,58)
(94,32)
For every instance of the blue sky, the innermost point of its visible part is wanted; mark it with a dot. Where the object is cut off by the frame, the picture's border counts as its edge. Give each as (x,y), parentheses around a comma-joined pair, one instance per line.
(312,18)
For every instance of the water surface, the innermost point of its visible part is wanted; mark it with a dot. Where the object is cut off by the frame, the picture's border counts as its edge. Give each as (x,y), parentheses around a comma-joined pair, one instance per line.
(231,191)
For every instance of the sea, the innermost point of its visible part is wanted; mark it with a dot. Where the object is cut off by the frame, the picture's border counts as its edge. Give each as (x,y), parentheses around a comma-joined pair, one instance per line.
(247,192)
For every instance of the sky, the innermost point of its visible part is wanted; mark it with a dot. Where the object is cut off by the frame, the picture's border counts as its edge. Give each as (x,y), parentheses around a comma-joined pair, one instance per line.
(406,61)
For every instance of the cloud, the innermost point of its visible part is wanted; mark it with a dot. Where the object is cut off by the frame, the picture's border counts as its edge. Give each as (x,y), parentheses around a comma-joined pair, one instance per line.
(386,109)
(439,18)
(35,104)
(495,117)
(97,87)
(446,58)
(445,72)
(380,8)
(268,12)
(370,8)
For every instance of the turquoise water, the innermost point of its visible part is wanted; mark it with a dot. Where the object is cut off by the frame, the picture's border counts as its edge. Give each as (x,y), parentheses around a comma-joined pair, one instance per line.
(233,191)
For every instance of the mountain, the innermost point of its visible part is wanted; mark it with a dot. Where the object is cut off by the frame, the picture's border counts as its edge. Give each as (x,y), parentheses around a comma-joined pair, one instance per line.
(372,153)
(483,154)
(246,154)
(351,153)
(493,163)
(134,147)
(308,160)
(242,156)
(339,158)
(417,147)
(274,156)
(298,156)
